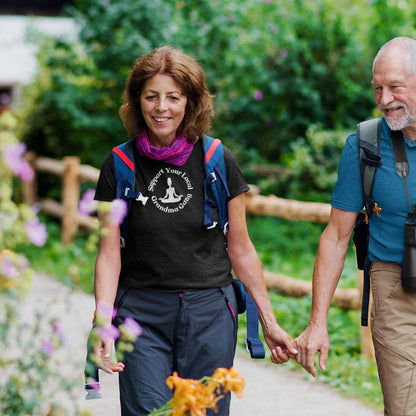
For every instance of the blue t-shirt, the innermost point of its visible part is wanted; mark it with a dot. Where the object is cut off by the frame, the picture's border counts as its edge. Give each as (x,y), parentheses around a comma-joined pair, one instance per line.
(387,230)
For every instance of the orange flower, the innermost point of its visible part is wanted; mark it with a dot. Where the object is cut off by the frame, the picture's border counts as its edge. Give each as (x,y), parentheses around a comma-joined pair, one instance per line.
(193,397)
(229,380)
(189,396)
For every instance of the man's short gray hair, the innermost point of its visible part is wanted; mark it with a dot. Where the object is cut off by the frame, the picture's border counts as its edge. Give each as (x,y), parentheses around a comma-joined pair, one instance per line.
(408,46)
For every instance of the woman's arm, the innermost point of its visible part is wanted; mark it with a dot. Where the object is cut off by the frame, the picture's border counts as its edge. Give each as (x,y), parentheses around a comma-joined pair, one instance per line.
(107,271)
(248,269)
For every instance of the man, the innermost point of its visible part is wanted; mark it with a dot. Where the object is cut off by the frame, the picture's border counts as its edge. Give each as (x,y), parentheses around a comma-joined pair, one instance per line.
(393,315)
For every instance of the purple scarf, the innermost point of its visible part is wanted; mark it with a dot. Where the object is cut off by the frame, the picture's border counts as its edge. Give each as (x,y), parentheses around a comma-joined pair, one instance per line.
(177,154)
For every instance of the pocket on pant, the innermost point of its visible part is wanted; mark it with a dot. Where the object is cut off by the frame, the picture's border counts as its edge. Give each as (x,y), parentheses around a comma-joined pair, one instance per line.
(385,285)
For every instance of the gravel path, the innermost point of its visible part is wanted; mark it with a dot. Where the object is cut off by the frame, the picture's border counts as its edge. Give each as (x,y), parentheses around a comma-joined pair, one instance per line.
(270,389)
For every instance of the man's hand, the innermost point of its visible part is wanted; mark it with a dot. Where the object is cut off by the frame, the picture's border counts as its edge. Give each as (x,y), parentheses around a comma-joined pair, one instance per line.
(312,341)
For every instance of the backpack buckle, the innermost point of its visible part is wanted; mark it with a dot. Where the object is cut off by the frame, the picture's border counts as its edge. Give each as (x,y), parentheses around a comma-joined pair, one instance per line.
(225,229)
(214,224)
(141,198)
(212,177)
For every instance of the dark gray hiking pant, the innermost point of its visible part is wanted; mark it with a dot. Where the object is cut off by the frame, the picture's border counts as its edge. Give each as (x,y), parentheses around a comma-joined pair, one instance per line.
(193,333)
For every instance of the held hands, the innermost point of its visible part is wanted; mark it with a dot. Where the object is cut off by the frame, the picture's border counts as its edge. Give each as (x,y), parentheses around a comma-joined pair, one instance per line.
(303,349)
(281,345)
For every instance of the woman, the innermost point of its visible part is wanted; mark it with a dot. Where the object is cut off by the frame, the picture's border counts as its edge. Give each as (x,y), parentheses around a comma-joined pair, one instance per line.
(173,274)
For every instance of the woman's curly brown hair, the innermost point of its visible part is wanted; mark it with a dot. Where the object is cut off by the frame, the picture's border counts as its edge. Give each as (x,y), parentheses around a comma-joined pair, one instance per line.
(187,73)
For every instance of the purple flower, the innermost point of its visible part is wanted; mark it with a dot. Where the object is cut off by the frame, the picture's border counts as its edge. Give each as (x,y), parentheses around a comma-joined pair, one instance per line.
(283,53)
(36,232)
(87,204)
(105,311)
(132,327)
(47,347)
(13,158)
(258,95)
(7,268)
(118,210)
(108,332)
(93,383)
(57,331)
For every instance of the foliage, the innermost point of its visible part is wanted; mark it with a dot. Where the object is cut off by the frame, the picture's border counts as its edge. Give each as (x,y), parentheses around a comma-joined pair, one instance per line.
(74,102)
(313,165)
(276,67)
(27,359)
(72,264)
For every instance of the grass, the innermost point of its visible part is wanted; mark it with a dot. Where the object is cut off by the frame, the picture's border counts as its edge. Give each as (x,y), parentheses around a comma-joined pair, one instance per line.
(285,247)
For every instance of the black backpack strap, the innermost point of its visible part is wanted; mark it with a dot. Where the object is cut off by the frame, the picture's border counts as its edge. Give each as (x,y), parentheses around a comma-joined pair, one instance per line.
(402,164)
(368,133)
(366,292)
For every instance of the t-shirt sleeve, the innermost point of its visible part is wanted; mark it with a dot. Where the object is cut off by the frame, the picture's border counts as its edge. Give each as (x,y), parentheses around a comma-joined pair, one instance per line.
(348,193)
(235,178)
(106,185)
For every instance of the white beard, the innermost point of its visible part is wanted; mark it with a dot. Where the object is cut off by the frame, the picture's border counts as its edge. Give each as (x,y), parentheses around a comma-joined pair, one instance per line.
(399,123)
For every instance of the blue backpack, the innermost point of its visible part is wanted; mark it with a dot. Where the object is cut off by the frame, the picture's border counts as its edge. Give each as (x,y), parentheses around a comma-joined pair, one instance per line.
(216,180)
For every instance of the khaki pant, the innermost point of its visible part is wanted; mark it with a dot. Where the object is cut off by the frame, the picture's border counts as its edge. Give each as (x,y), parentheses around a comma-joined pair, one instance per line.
(393,324)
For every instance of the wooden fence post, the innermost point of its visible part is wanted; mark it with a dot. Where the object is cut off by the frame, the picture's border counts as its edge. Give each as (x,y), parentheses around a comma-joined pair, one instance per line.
(70,198)
(29,188)
(367,346)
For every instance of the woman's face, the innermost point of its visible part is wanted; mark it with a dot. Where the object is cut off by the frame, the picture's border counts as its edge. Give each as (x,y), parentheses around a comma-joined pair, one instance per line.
(163,107)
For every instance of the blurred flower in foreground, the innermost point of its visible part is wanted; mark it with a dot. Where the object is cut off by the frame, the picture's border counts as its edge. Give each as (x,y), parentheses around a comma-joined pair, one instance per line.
(194,397)
(14,271)
(13,158)
(36,232)
(117,208)
(118,211)
(87,205)
(131,328)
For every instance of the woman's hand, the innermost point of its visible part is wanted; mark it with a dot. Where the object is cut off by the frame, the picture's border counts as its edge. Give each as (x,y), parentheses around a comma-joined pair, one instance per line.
(106,359)
(281,345)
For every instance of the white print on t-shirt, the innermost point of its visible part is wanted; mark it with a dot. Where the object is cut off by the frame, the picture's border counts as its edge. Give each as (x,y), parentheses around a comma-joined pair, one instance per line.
(171,196)
(164,187)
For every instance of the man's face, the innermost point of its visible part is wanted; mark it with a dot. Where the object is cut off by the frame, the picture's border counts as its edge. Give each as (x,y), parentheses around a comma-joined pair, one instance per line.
(395,90)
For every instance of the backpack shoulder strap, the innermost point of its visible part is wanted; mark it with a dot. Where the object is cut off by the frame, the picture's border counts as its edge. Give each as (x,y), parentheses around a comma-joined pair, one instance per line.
(368,133)
(124,171)
(124,168)
(216,180)
(369,152)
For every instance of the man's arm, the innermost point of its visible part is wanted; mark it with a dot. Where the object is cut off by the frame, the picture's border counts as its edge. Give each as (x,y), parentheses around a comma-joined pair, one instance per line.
(329,262)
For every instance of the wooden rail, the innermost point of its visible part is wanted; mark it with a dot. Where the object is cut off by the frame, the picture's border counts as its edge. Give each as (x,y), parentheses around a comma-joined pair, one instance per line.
(73,174)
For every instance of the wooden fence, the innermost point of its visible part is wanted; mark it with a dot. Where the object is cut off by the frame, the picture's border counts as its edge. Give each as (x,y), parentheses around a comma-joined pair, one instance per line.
(73,174)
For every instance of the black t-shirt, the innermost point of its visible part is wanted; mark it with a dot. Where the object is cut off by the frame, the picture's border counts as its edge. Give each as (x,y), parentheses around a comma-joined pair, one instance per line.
(167,246)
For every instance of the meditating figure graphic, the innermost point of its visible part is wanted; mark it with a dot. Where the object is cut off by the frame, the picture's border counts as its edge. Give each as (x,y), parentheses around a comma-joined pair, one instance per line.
(170,195)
